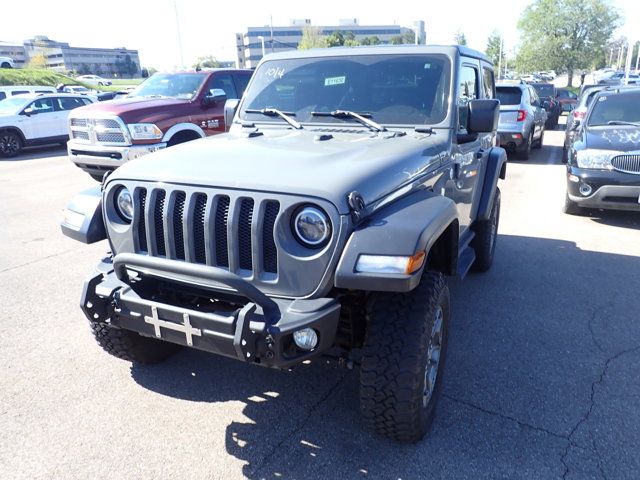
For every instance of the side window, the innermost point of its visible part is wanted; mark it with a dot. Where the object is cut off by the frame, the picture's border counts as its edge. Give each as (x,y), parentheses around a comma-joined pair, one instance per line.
(19,92)
(467,91)
(42,105)
(3,95)
(86,101)
(241,82)
(68,103)
(534,96)
(224,82)
(489,83)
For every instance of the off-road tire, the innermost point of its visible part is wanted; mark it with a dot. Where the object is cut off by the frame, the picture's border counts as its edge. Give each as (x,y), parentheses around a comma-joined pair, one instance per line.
(10,144)
(130,346)
(484,243)
(394,363)
(571,208)
(525,151)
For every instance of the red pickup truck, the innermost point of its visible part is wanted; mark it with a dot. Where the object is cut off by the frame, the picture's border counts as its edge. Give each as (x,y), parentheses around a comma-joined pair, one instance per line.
(166,109)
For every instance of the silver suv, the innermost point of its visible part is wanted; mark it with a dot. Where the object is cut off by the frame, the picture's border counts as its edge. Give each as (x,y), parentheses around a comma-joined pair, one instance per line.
(522,118)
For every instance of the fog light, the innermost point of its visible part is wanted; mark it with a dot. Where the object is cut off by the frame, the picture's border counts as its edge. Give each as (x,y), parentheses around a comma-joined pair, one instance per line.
(306,339)
(585,189)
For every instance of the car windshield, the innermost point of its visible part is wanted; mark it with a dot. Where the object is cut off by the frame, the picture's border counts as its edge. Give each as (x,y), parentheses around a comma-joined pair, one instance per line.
(545,90)
(616,109)
(174,85)
(388,89)
(509,95)
(11,105)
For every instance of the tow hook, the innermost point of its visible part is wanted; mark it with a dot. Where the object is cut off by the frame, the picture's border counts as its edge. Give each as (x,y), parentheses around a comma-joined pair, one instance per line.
(270,344)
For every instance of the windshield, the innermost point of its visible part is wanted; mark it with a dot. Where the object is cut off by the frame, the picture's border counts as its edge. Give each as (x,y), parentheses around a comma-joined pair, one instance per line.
(509,95)
(174,85)
(545,90)
(11,105)
(615,109)
(390,89)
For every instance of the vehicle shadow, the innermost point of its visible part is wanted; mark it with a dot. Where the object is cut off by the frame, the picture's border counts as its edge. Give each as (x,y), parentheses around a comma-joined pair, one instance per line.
(39,152)
(547,155)
(615,218)
(523,342)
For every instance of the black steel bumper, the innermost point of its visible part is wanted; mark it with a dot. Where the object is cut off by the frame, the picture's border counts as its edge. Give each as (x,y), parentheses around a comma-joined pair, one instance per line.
(261,331)
(606,189)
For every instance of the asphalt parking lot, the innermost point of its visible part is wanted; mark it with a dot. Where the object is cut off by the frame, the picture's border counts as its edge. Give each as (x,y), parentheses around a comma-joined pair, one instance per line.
(541,381)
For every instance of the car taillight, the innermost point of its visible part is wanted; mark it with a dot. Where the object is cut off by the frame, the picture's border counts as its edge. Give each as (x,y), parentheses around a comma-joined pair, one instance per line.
(522,114)
(579,113)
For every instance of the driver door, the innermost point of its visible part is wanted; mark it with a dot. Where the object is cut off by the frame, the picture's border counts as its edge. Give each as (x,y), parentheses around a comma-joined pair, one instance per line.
(39,119)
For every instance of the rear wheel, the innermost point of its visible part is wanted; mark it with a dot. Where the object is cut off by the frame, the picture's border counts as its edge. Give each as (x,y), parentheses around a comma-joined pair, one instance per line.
(130,346)
(484,243)
(538,143)
(525,150)
(10,144)
(403,359)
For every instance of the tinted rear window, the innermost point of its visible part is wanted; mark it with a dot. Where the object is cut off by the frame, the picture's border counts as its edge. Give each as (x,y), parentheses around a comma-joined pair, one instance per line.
(612,109)
(509,95)
(545,90)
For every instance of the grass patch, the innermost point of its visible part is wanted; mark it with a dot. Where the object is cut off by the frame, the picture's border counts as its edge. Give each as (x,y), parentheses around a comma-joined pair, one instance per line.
(49,78)
(126,81)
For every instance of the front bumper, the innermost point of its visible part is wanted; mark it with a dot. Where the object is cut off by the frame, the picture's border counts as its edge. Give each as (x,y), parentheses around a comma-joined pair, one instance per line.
(261,331)
(608,189)
(97,159)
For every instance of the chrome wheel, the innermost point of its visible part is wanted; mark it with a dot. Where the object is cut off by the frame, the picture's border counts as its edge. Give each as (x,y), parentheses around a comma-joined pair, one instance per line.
(433,357)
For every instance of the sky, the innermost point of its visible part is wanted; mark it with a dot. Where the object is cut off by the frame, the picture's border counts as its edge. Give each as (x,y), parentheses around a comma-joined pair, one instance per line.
(207,27)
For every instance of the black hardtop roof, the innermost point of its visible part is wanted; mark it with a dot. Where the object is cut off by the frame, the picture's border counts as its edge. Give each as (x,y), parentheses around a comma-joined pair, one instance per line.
(449,50)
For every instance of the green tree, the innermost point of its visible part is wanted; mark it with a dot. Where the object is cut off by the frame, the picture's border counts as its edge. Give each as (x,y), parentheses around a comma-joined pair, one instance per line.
(370,41)
(494,47)
(565,35)
(312,38)
(38,60)
(336,39)
(208,61)
(407,38)
(460,38)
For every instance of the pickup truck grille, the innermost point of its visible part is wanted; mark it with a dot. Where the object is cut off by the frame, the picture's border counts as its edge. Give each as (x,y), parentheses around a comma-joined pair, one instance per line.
(226,231)
(626,163)
(109,131)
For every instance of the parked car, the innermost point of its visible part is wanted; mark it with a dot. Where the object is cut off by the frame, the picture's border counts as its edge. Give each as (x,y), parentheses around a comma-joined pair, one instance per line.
(351,182)
(618,78)
(6,62)
(603,165)
(567,99)
(165,110)
(12,90)
(93,80)
(577,116)
(548,93)
(522,118)
(36,119)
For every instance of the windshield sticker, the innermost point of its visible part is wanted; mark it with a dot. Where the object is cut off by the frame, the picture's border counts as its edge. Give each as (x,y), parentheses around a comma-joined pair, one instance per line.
(328,82)
(602,99)
(274,72)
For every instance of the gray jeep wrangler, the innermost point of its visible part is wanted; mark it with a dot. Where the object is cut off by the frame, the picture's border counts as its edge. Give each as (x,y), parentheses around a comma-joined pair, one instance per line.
(351,183)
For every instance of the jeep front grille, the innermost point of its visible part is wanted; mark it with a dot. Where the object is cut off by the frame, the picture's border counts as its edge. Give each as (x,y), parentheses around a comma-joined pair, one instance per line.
(231,232)
(108,131)
(626,163)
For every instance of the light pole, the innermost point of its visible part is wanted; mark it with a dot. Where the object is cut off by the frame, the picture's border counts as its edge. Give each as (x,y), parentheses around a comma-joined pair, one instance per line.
(261,38)
(175,6)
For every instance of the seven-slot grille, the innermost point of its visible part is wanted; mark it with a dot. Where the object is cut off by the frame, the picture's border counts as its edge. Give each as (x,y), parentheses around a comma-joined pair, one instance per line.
(98,130)
(627,163)
(231,232)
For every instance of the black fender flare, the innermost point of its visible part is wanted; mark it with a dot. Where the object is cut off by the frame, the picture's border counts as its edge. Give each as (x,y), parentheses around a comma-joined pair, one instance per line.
(409,225)
(83,219)
(496,168)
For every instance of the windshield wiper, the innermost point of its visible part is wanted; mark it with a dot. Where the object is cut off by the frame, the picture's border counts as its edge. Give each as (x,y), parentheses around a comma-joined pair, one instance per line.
(274,112)
(622,122)
(359,117)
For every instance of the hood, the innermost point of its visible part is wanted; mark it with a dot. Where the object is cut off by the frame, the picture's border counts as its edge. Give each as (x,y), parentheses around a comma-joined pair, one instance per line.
(295,162)
(134,109)
(623,139)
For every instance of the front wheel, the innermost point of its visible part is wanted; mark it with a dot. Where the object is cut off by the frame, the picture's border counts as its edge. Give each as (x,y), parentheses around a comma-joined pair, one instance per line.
(130,346)
(10,144)
(571,208)
(403,359)
(5,65)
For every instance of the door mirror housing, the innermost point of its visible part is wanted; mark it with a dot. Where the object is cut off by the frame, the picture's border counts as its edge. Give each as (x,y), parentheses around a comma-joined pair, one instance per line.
(29,111)
(483,116)
(230,108)
(214,97)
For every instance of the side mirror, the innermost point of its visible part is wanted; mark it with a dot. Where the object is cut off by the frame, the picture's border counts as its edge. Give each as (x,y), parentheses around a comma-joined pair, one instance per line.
(215,96)
(483,116)
(29,111)
(230,108)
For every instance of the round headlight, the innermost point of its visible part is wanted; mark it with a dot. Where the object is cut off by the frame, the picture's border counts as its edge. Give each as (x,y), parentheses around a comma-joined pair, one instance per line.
(124,204)
(312,227)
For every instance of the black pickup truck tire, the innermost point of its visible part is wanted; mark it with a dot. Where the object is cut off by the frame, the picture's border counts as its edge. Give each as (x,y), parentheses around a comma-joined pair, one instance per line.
(403,359)
(484,243)
(130,346)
